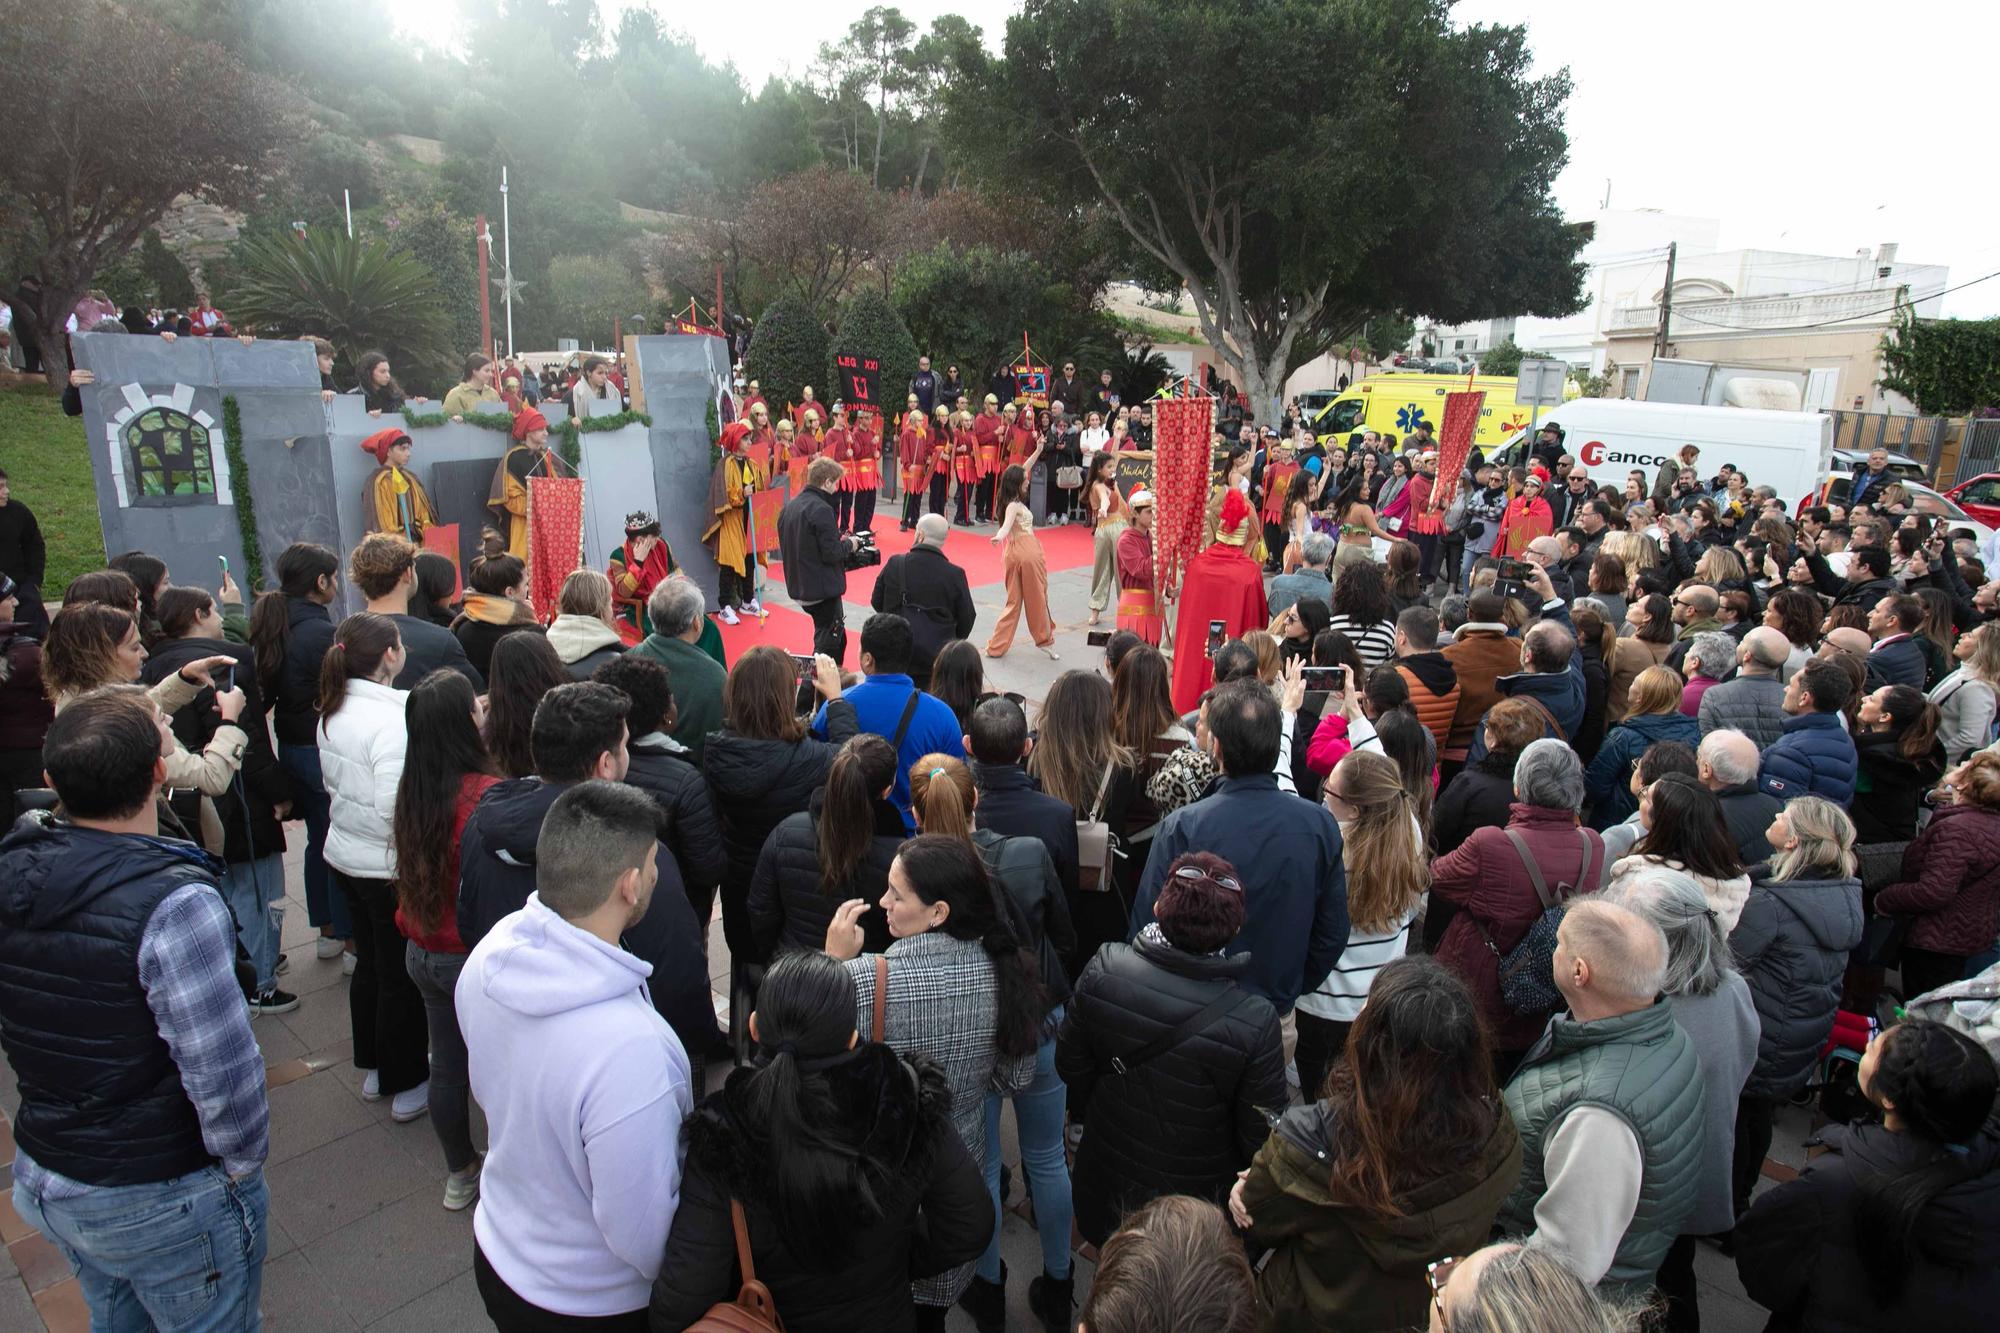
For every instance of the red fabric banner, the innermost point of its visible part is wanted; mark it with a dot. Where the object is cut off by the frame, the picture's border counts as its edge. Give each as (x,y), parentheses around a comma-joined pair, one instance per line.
(443,539)
(764,507)
(1461,420)
(1277,480)
(555,538)
(1181,427)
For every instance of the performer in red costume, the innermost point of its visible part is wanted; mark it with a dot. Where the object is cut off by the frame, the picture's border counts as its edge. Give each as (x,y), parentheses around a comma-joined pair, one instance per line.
(1221,583)
(989,432)
(964,464)
(1138,598)
(913,458)
(864,467)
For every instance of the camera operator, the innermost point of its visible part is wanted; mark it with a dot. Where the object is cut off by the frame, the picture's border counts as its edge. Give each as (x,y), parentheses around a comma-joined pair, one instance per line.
(815,555)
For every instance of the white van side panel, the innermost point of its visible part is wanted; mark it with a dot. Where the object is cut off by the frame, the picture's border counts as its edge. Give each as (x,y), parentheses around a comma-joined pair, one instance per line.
(1789,451)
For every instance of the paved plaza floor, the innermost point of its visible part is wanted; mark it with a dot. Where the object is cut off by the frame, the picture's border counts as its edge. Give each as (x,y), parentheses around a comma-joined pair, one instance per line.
(358,1237)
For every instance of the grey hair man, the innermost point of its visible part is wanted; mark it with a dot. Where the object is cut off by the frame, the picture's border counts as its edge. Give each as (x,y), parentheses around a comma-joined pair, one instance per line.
(1711,1003)
(1727,765)
(1310,580)
(1550,775)
(1754,702)
(677,610)
(1711,653)
(924,587)
(1608,1105)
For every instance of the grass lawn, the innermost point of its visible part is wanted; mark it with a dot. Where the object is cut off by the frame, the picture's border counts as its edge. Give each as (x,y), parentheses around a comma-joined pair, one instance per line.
(48,469)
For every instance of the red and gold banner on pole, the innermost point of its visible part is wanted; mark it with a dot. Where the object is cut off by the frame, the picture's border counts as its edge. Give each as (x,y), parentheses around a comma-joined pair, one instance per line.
(1461,420)
(555,538)
(765,505)
(1181,427)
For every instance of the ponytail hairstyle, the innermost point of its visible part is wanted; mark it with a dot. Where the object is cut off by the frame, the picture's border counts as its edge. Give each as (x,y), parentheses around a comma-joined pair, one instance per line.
(861,772)
(941,791)
(1387,868)
(946,869)
(824,1192)
(1409,742)
(1913,720)
(359,644)
(149,575)
(1940,1084)
(300,568)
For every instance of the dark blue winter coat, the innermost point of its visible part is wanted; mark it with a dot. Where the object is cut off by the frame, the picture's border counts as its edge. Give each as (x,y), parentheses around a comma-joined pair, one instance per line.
(1607,783)
(1815,757)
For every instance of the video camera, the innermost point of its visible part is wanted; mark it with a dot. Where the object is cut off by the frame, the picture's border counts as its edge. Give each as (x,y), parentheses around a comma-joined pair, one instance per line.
(863,553)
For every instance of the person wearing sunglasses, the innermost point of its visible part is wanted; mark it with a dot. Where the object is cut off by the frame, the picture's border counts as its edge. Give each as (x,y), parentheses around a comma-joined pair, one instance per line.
(1509,1288)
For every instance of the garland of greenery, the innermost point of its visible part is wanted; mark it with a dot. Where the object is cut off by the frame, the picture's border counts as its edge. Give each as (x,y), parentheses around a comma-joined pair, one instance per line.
(714,424)
(570,448)
(239,489)
(485,420)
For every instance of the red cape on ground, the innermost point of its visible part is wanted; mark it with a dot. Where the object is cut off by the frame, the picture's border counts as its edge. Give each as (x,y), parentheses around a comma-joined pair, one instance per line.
(1222,584)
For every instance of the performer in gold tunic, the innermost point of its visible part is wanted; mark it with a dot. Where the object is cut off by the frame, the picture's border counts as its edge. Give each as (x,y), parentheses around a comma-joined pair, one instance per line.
(394,500)
(736,478)
(508,498)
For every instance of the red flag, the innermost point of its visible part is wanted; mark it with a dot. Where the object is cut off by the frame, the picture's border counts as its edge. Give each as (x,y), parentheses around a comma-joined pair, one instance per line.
(764,507)
(443,538)
(555,538)
(1181,427)
(1461,421)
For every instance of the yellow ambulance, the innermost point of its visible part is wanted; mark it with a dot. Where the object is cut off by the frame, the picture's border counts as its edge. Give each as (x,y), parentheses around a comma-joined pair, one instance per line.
(1394,403)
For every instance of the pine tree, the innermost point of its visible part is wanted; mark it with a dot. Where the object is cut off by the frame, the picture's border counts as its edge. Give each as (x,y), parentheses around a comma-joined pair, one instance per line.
(787,352)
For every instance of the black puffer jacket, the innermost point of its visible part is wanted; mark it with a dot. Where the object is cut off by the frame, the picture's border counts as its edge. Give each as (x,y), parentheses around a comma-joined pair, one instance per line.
(1479,797)
(687,818)
(1799,1250)
(847,1271)
(1186,1121)
(1042,920)
(250,829)
(788,908)
(295,710)
(754,784)
(1791,944)
(1889,787)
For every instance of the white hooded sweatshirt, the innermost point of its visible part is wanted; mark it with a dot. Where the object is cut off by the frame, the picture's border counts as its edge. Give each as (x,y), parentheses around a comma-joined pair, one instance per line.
(584,1087)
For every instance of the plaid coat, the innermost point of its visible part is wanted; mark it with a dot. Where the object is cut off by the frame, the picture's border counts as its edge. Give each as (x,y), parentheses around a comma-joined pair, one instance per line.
(943,1003)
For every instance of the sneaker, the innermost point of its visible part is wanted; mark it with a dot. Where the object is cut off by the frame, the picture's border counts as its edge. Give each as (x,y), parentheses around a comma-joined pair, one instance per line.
(283,963)
(754,607)
(328,946)
(347,961)
(407,1105)
(462,1187)
(371,1086)
(728,616)
(273,1001)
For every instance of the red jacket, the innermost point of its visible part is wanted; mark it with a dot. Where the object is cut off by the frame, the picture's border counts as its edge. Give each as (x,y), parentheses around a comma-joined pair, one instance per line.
(1951,882)
(445,938)
(1487,881)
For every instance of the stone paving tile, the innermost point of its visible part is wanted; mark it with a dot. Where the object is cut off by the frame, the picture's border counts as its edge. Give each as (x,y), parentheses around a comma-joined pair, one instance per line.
(448,1309)
(62,1308)
(17,1308)
(311,1113)
(323,1190)
(386,1259)
(40,1263)
(320,1020)
(298,1300)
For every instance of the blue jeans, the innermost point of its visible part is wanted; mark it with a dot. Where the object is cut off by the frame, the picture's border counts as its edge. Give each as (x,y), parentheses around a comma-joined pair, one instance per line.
(324,907)
(1038,1118)
(255,892)
(186,1254)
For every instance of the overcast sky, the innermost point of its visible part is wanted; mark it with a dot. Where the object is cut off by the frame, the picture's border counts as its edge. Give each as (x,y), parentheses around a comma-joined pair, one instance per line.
(1817,129)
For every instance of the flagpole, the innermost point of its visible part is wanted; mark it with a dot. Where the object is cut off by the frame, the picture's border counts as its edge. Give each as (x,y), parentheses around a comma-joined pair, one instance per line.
(507,258)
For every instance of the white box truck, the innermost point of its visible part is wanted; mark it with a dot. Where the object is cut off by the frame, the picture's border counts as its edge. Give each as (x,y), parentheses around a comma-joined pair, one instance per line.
(1789,451)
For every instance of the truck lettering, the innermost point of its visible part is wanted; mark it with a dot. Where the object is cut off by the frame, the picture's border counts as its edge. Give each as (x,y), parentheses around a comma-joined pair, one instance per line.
(1594,454)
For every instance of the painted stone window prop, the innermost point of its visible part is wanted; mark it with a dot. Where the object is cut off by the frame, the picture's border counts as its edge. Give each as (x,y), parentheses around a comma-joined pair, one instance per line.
(165,450)
(168,454)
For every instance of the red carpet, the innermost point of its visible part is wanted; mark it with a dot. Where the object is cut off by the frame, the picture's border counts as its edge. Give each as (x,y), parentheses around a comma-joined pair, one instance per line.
(971,549)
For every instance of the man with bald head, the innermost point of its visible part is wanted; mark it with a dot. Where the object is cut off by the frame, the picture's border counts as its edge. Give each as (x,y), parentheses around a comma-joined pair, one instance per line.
(1608,1104)
(1696,611)
(1727,765)
(1754,701)
(1846,639)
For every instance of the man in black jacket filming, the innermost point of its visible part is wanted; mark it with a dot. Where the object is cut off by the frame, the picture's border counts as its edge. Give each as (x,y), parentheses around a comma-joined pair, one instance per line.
(814,555)
(925,588)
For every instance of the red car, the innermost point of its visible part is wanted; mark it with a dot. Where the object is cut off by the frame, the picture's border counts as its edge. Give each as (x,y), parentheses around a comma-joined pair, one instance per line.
(1980,497)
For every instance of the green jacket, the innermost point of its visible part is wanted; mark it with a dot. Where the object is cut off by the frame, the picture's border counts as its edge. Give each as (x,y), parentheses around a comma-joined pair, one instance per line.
(696,680)
(1642,1067)
(1335,1266)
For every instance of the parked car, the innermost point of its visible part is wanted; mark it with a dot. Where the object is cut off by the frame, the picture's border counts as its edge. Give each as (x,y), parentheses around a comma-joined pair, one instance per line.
(1846,460)
(1979,497)
(1927,501)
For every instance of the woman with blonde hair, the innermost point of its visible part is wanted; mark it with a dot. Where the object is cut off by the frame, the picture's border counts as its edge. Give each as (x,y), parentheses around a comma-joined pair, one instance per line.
(584,634)
(1645,641)
(1719,565)
(1512,1288)
(1802,918)
(1636,549)
(1382,848)
(1652,714)
(1270,657)
(1967,698)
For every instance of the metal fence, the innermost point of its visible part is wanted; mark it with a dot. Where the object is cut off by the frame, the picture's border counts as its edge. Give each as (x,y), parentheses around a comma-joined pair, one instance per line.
(1978,449)
(1922,438)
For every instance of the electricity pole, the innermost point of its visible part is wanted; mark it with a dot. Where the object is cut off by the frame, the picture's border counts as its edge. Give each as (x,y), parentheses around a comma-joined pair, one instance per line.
(1666,301)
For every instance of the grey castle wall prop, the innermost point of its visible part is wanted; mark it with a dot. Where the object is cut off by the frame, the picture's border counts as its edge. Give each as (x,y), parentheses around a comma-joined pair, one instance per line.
(307,470)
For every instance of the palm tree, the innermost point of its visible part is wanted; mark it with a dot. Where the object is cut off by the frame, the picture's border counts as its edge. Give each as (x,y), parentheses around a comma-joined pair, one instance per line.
(358,294)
